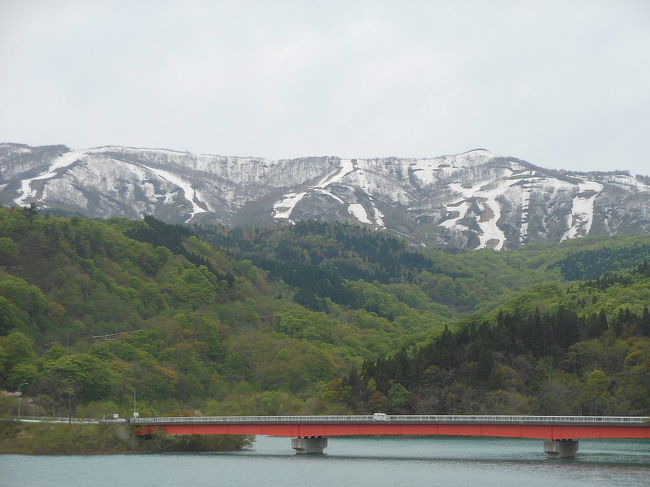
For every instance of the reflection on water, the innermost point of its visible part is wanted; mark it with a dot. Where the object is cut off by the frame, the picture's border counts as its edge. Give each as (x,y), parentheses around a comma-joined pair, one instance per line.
(349,461)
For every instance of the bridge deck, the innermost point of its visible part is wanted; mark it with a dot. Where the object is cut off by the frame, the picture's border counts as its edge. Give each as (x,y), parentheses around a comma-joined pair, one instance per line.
(545,427)
(400,419)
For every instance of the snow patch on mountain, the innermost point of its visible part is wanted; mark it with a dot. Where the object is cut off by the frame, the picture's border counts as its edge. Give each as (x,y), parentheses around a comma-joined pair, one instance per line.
(526,188)
(331,195)
(582,211)
(347,166)
(359,212)
(485,195)
(363,182)
(424,170)
(283,208)
(459,206)
(428,171)
(492,236)
(379,217)
(57,166)
(191,194)
(626,182)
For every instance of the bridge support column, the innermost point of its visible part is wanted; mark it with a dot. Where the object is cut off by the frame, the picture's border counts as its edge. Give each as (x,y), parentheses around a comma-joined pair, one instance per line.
(561,448)
(309,444)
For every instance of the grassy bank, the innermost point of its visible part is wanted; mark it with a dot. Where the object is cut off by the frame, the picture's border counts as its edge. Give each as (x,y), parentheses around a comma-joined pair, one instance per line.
(65,439)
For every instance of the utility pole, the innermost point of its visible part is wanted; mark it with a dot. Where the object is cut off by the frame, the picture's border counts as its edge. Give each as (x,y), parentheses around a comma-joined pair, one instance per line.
(20,396)
(70,394)
(134,408)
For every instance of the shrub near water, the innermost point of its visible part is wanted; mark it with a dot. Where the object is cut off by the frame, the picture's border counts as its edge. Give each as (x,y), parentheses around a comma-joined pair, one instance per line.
(170,443)
(61,439)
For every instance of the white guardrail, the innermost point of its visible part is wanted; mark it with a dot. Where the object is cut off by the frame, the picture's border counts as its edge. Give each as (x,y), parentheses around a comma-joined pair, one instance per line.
(380,418)
(62,419)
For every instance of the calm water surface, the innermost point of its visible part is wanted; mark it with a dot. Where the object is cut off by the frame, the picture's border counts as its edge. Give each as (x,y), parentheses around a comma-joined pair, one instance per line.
(349,462)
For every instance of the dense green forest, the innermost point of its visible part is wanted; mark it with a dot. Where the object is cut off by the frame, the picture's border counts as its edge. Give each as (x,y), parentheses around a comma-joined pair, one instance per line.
(578,349)
(314,318)
(99,310)
(346,263)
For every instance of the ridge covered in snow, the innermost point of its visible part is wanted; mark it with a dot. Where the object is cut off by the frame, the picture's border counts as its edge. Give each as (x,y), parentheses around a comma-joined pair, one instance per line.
(472,200)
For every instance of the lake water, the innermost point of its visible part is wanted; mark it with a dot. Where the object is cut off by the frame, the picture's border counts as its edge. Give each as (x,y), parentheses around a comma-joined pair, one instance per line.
(374,462)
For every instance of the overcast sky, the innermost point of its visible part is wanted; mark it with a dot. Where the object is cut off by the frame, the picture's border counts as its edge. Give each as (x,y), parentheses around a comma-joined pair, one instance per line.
(561,84)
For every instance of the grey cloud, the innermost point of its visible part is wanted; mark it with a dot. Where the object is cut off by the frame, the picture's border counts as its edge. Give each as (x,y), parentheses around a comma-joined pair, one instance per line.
(561,84)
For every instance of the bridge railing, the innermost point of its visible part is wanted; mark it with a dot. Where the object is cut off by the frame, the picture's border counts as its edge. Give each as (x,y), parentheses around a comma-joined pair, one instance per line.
(359,419)
(66,419)
(428,419)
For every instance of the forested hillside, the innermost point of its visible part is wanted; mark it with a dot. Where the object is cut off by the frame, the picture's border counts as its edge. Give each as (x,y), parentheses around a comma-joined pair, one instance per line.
(322,259)
(198,330)
(582,350)
(312,318)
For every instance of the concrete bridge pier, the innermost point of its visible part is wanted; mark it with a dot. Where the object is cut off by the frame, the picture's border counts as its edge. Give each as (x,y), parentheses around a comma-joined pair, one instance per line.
(309,444)
(561,448)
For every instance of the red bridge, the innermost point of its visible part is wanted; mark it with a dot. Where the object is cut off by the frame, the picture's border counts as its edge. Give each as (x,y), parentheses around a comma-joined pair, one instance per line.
(310,432)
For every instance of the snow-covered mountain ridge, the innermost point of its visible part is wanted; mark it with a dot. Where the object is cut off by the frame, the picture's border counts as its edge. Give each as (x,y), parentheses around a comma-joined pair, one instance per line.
(471,200)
